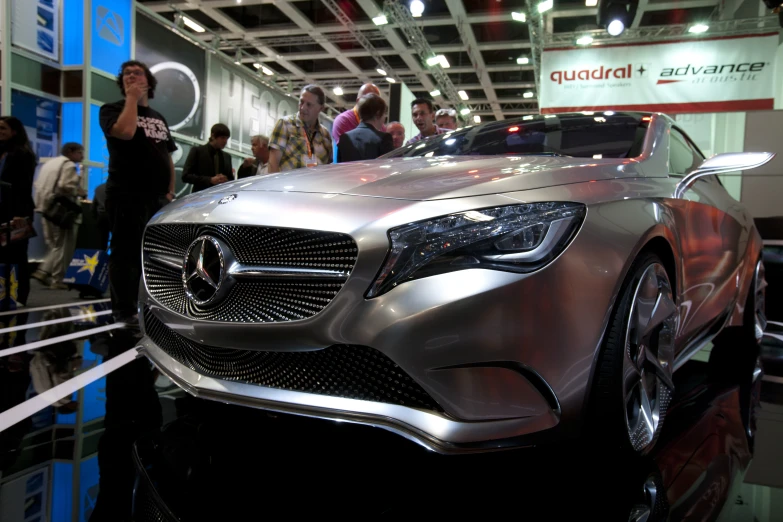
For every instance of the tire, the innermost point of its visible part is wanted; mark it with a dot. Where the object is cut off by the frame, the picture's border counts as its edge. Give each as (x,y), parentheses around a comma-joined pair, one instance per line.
(633,385)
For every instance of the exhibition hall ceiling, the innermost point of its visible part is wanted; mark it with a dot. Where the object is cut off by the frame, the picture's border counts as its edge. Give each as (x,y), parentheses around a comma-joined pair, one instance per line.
(303,41)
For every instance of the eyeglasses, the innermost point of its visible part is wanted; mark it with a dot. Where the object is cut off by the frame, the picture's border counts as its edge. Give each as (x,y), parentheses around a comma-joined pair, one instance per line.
(133,72)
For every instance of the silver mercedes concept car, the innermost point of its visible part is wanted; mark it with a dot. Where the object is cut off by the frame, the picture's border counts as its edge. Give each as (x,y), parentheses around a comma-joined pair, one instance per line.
(496,286)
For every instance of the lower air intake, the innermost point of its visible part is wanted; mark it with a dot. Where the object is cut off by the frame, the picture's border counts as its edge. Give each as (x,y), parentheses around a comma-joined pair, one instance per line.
(352,372)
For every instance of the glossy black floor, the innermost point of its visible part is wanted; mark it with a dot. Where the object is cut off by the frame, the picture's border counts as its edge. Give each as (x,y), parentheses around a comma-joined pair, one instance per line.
(112,440)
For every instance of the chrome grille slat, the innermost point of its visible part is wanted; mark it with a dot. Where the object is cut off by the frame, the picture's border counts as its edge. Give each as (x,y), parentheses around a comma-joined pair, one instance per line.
(314,267)
(353,372)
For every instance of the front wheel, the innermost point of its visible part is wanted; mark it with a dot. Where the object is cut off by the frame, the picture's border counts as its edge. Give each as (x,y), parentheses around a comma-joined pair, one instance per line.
(634,386)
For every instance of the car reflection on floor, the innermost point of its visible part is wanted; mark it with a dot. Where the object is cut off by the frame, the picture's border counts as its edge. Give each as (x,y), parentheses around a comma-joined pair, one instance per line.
(164,455)
(219,462)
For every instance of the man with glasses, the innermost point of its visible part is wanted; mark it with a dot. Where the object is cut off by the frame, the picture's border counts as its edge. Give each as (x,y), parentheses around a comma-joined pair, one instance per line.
(141,179)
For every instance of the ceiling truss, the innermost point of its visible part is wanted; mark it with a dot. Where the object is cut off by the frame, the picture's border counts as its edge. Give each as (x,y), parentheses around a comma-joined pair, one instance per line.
(290,45)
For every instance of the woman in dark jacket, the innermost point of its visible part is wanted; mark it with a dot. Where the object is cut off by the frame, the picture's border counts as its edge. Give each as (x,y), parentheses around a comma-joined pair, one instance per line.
(16,202)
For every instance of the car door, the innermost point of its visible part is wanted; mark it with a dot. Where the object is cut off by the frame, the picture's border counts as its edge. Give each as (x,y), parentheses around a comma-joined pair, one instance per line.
(712,240)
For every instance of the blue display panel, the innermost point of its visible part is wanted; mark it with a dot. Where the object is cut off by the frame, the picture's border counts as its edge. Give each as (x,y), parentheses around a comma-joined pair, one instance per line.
(99,153)
(111,34)
(72,122)
(73,32)
(39,116)
(62,492)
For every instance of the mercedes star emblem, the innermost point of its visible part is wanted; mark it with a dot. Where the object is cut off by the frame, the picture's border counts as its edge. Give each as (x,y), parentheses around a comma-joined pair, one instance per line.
(204,270)
(227,199)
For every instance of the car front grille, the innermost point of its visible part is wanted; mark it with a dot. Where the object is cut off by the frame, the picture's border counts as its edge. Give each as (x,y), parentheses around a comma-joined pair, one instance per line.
(251,300)
(353,372)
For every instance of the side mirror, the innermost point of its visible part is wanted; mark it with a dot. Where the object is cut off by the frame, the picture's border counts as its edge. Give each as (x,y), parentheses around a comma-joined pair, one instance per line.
(722,164)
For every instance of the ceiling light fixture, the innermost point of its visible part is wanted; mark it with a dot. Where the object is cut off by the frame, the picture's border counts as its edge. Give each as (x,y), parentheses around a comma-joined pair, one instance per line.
(698,28)
(585,40)
(439,59)
(435,93)
(267,71)
(417,8)
(527,118)
(519,17)
(545,6)
(381,71)
(192,25)
(523,60)
(528,94)
(338,91)
(463,95)
(390,79)
(380,20)
(591,3)
(477,119)
(465,111)
(257,65)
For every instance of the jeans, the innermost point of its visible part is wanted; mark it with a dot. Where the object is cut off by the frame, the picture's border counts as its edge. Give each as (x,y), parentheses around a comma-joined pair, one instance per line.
(128,215)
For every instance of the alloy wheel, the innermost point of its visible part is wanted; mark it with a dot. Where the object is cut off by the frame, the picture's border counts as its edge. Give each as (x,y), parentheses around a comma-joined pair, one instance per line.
(759,301)
(649,357)
(650,506)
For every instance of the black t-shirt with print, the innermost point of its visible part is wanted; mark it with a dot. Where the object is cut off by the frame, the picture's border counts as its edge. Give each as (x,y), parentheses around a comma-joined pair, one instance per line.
(139,165)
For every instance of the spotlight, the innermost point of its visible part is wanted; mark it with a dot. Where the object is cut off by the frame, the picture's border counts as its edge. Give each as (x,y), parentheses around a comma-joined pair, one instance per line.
(266,71)
(615,27)
(523,60)
(477,119)
(381,71)
(465,111)
(616,15)
(417,8)
(435,93)
(519,17)
(585,40)
(463,95)
(698,29)
(528,94)
(338,91)
(380,20)
(390,79)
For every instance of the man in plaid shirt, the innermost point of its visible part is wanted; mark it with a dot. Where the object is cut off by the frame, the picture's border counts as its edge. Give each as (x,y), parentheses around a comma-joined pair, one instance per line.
(300,140)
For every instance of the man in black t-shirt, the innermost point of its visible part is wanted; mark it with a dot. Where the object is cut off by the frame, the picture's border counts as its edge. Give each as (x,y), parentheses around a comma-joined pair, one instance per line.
(141,180)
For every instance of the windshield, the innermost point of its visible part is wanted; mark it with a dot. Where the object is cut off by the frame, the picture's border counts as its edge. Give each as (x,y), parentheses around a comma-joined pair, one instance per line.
(582,135)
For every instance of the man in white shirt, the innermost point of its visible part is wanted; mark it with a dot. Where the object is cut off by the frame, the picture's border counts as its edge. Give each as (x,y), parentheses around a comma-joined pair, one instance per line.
(257,165)
(58,177)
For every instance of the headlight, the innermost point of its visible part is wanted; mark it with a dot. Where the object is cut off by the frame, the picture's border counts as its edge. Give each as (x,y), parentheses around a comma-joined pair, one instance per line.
(516,238)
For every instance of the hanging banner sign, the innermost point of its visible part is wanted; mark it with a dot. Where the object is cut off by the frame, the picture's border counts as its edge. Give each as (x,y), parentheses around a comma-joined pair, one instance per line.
(727,74)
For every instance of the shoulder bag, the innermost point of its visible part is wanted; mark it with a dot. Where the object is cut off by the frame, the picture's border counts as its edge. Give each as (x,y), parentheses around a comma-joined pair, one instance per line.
(61,210)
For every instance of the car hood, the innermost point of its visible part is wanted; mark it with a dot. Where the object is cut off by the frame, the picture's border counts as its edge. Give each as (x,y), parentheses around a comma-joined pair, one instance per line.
(441,177)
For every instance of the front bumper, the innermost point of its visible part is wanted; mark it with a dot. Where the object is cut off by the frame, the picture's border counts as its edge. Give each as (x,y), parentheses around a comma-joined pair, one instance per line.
(434,431)
(508,357)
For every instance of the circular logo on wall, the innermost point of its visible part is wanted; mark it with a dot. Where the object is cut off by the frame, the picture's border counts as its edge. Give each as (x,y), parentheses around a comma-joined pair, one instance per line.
(178,90)
(203,272)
